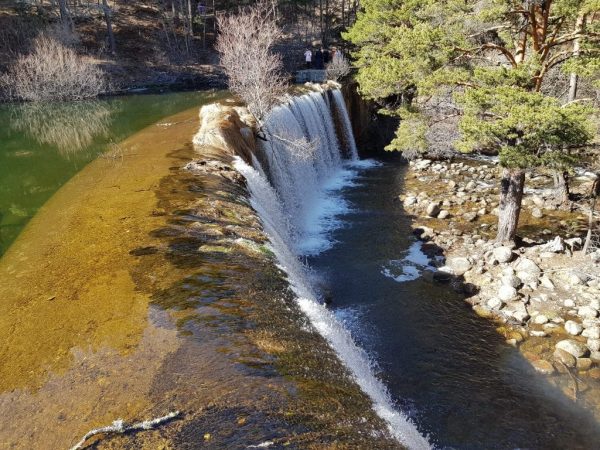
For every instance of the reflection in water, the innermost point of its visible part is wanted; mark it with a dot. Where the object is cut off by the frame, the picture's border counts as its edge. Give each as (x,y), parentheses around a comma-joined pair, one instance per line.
(69,127)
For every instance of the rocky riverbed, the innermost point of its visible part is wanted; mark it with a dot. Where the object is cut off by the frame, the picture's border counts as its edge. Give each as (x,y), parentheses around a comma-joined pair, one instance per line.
(543,294)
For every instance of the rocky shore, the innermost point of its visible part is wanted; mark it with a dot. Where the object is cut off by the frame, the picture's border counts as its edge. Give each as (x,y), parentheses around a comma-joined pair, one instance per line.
(543,294)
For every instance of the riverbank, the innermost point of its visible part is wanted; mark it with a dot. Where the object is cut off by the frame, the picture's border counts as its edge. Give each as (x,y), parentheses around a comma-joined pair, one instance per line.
(543,295)
(142,288)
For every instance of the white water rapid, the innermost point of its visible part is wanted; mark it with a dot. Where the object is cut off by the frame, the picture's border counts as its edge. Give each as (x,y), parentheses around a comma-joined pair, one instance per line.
(296,194)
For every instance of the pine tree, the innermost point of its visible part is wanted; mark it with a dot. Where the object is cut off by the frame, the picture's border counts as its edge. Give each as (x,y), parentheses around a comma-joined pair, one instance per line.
(490,58)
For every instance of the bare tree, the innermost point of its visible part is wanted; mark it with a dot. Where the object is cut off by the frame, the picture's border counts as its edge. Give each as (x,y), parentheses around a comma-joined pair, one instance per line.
(109,30)
(52,71)
(245,44)
(338,68)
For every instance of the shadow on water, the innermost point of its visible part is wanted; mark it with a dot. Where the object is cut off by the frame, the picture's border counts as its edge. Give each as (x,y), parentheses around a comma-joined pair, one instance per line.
(462,383)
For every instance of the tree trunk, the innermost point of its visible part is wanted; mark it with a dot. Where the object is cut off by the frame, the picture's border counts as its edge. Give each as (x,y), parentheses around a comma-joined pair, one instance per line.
(574,78)
(511,195)
(109,29)
(561,187)
(65,16)
(595,192)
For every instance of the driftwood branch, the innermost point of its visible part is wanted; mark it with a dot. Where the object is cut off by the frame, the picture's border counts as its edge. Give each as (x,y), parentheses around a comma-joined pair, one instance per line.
(120,427)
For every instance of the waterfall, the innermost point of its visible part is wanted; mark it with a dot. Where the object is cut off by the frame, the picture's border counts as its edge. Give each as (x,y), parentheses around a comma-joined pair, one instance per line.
(295,191)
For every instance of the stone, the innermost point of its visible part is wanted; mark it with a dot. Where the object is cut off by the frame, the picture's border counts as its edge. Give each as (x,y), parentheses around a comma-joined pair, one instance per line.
(495,303)
(444,214)
(409,201)
(555,246)
(538,333)
(527,270)
(433,209)
(587,312)
(594,373)
(573,347)
(503,254)
(540,319)
(458,264)
(591,333)
(573,327)
(537,201)
(575,279)
(547,283)
(507,293)
(470,216)
(569,303)
(564,357)
(583,364)
(511,280)
(543,366)
(537,213)
(594,344)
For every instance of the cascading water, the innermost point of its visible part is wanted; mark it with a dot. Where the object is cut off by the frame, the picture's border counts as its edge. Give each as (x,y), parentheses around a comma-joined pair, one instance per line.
(294,193)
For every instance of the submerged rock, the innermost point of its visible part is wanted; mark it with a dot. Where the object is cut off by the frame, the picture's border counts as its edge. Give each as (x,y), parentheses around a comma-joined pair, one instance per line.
(574,348)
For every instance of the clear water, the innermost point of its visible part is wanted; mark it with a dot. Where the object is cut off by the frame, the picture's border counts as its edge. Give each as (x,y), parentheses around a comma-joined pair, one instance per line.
(447,368)
(43,146)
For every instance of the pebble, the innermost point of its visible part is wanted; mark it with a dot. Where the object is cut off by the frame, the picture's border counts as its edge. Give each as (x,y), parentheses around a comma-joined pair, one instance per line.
(543,366)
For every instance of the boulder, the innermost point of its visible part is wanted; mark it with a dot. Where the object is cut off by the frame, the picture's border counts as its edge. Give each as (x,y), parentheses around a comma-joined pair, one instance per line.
(583,364)
(495,303)
(543,366)
(470,216)
(507,293)
(573,327)
(527,270)
(540,319)
(433,209)
(593,344)
(587,312)
(443,214)
(573,347)
(459,265)
(503,254)
(511,280)
(537,213)
(591,332)
(409,201)
(564,357)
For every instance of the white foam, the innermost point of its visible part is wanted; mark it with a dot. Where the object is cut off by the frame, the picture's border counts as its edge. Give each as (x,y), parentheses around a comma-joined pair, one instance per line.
(410,267)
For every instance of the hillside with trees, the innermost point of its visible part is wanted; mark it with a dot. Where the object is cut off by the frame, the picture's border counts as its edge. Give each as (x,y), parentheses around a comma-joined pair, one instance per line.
(157,43)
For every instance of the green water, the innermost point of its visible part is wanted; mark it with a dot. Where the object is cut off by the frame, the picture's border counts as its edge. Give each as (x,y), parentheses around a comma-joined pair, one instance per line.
(43,146)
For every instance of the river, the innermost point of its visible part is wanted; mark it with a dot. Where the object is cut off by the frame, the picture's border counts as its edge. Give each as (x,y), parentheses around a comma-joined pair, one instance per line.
(449,369)
(43,145)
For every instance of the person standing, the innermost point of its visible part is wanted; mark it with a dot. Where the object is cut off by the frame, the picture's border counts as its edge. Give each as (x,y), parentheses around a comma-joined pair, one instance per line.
(319,59)
(308,58)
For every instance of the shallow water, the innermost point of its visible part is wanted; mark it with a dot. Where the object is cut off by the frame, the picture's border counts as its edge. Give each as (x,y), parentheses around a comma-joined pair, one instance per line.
(449,369)
(43,145)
